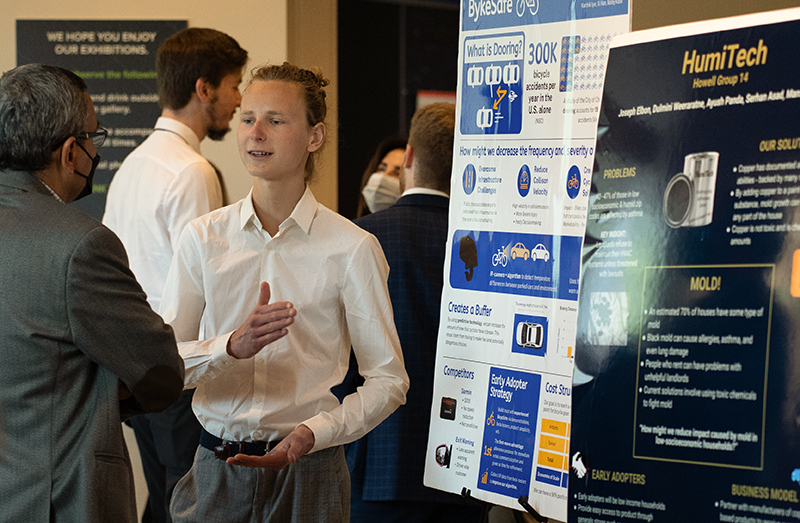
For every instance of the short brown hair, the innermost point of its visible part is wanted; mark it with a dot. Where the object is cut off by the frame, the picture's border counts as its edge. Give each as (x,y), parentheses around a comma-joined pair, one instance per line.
(191,54)
(312,88)
(431,137)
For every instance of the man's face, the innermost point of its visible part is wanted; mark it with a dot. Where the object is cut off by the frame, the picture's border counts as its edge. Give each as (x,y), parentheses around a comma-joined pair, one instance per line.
(273,135)
(224,101)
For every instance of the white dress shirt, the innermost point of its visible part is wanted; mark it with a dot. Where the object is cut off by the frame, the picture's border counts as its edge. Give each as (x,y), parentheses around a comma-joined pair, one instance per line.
(160,187)
(335,274)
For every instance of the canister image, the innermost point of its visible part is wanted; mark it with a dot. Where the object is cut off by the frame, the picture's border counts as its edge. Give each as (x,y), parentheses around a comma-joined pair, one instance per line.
(689,197)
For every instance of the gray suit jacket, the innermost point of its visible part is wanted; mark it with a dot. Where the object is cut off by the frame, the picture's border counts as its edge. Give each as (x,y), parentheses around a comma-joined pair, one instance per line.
(73,324)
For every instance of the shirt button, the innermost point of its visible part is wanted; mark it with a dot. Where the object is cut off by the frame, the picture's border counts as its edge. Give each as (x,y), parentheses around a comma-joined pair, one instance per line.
(258,400)
(258,435)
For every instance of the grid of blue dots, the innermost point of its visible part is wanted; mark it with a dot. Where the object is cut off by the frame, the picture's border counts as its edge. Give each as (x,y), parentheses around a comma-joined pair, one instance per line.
(583,62)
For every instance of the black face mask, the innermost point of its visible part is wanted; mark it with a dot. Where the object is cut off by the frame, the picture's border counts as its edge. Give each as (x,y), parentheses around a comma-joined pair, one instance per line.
(87,189)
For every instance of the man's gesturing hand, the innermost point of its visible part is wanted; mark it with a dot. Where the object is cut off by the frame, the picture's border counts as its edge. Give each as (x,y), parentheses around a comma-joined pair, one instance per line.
(267,323)
(293,447)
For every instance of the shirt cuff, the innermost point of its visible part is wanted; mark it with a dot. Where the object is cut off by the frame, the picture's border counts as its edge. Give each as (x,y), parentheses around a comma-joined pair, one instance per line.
(203,363)
(322,430)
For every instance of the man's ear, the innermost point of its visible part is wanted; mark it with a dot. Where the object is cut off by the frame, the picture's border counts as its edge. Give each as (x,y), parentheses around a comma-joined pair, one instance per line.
(317,137)
(204,90)
(65,155)
(408,157)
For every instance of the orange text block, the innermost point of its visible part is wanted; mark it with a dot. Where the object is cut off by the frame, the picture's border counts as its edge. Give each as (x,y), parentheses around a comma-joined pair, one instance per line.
(552,444)
(548,459)
(559,428)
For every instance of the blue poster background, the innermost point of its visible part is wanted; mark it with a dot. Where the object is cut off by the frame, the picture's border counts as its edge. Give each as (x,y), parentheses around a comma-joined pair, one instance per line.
(512,405)
(539,326)
(490,14)
(492,88)
(516,263)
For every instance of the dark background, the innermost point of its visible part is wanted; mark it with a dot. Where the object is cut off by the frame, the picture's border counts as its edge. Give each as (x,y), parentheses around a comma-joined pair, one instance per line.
(388,51)
(33,47)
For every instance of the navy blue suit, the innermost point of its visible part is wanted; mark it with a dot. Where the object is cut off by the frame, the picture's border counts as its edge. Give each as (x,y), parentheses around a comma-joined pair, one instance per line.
(388,463)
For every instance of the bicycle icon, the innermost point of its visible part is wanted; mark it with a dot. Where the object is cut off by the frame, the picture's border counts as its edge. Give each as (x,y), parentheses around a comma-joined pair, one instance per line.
(490,420)
(500,258)
(573,183)
(533,5)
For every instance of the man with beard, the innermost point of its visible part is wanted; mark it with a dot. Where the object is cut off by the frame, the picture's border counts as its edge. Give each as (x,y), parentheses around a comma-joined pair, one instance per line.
(161,186)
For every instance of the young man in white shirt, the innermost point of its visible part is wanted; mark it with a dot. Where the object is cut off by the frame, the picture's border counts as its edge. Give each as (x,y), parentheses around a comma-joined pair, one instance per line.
(161,186)
(268,295)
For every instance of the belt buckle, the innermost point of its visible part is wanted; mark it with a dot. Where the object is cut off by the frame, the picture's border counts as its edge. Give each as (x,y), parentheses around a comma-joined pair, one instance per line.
(228,449)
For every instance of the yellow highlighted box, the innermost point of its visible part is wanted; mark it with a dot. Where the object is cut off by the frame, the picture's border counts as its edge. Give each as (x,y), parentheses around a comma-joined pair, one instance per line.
(548,459)
(559,428)
(552,444)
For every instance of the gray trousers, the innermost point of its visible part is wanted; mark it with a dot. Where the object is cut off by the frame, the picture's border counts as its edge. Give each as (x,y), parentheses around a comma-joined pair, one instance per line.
(315,489)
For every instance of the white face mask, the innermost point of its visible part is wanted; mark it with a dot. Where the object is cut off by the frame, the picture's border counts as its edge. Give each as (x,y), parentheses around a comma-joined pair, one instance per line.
(381,191)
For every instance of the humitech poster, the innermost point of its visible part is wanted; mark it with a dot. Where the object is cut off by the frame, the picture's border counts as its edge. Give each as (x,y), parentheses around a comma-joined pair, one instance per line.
(530,80)
(686,397)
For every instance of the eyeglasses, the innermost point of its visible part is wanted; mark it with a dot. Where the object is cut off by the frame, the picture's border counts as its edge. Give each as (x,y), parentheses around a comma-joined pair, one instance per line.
(98,138)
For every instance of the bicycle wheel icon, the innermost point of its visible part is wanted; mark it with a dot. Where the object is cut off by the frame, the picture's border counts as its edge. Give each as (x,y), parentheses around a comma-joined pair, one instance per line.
(533,5)
(499,258)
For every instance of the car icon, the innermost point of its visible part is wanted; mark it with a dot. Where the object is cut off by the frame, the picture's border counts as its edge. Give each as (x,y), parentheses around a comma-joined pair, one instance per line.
(529,334)
(520,251)
(540,252)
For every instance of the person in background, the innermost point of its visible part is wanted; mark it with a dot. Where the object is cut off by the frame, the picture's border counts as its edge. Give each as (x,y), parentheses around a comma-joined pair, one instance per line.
(266,297)
(387,465)
(80,348)
(161,186)
(380,185)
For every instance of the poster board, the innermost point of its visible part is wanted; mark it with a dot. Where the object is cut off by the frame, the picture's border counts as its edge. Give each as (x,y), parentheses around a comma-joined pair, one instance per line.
(530,79)
(116,59)
(686,397)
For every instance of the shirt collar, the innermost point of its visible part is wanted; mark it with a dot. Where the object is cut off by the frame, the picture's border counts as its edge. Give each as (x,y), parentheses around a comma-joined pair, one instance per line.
(51,191)
(303,213)
(425,190)
(181,129)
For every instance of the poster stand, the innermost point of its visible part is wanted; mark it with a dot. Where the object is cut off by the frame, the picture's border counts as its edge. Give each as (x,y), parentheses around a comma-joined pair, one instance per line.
(466,494)
(523,500)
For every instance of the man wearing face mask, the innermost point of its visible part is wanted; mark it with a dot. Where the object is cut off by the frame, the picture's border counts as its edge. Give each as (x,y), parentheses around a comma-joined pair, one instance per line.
(98,139)
(160,187)
(80,348)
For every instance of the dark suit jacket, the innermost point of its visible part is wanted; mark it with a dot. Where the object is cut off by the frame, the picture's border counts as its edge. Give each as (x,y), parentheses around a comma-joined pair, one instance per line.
(73,323)
(389,462)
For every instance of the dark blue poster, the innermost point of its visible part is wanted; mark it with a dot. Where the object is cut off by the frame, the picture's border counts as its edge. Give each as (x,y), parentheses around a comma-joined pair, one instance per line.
(511,410)
(117,60)
(686,395)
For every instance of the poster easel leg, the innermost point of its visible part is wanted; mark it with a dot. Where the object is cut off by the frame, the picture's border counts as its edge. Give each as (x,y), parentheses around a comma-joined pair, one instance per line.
(466,493)
(523,500)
